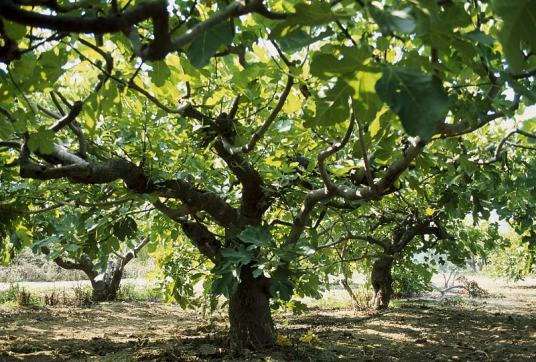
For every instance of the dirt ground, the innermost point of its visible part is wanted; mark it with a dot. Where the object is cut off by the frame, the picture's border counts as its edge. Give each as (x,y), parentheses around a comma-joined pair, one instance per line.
(432,328)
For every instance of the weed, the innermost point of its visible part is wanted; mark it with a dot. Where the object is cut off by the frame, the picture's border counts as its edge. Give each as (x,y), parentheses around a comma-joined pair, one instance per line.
(24,298)
(454,301)
(83,295)
(9,295)
(53,298)
(144,292)
(363,297)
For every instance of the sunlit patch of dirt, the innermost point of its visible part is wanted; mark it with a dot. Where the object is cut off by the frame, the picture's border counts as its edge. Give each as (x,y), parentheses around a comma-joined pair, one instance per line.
(417,330)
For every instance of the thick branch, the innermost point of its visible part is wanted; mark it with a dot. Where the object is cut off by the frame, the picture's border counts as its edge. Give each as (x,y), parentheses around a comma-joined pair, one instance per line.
(53,5)
(10,144)
(75,24)
(195,200)
(203,239)
(84,263)
(315,196)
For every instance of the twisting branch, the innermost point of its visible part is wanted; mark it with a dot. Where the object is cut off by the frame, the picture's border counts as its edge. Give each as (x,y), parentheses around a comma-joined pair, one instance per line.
(47,111)
(131,254)
(64,100)
(175,214)
(8,115)
(227,143)
(520,146)
(341,239)
(57,103)
(69,118)
(499,152)
(368,171)
(322,156)
(315,196)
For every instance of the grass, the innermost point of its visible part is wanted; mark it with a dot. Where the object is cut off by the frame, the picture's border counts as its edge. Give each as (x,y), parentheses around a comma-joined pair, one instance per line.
(131,291)
(78,295)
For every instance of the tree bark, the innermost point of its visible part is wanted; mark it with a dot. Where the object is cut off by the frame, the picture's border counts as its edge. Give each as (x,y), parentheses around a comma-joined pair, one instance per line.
(382,282)
(249,313)
(106,288)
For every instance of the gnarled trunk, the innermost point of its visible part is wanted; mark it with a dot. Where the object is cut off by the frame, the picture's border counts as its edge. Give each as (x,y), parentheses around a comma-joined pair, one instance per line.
(382,282)
(249,313)
(106,289)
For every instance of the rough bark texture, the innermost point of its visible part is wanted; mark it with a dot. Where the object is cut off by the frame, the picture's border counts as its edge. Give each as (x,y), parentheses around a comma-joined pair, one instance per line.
(106,288)
(249,313)
(382,282)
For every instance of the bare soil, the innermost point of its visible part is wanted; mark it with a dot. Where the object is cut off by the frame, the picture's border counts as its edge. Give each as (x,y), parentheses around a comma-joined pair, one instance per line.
(432,328)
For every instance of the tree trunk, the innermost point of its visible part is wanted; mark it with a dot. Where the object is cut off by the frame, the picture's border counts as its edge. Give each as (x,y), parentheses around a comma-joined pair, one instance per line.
(382,282)
(344,284)
(249,313)
(106,288)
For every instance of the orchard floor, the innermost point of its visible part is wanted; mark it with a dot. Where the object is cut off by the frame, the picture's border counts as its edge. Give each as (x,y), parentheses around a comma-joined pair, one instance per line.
(501,328)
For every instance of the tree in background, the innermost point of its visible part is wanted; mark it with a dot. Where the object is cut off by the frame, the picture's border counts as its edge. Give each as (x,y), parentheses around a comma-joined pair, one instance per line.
(208,112)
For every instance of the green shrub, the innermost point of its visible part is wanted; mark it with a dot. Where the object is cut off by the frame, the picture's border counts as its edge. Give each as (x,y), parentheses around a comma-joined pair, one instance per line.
(411,279)
(10,294)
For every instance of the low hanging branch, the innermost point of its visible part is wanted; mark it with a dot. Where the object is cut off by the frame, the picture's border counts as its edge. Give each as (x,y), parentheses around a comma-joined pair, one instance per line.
(125,22)
(315,196)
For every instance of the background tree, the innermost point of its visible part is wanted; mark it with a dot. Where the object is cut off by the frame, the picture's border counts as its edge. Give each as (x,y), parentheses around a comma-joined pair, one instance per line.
(204,112)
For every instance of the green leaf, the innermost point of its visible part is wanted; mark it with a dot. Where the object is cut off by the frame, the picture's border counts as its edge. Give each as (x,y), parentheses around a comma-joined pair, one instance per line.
(226,285)
(14,31)
(349,60)
(300,39)
(366,102)
(73,247)
(113,242)
(281,285)
(160,73)
(297,307)
(478,36)
(257,235)
(125,228)
(49,68)
(42,140)
(316,13)
(334,107)
(518,28)
(239,255)
(417,98)
(400,21)
(6,128)
(25,235)
(203,48)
